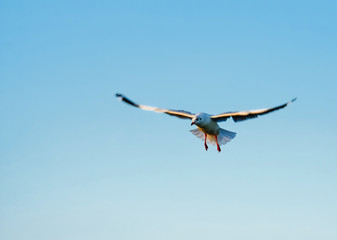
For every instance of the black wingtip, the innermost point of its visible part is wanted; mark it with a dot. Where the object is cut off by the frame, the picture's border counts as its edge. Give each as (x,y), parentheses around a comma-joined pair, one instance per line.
(126,100)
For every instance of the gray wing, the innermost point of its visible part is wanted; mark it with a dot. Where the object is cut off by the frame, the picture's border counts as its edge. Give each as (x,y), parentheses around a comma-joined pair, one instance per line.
(177,113)
(244,115)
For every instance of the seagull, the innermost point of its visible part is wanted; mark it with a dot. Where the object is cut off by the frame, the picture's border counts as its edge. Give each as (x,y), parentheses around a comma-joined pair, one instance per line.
(208,129)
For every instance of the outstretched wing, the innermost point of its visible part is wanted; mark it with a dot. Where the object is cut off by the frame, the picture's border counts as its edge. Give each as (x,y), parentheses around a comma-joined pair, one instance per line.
(244,115)
(177,113)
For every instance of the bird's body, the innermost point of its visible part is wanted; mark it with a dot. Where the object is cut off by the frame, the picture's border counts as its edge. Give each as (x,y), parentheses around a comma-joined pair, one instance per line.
(207,125)
(210,131)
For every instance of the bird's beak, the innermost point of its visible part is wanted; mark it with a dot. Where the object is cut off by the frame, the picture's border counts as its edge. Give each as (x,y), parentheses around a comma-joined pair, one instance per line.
(192,123)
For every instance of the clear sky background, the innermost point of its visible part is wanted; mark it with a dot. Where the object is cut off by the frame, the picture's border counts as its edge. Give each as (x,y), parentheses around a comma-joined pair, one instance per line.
(78,164)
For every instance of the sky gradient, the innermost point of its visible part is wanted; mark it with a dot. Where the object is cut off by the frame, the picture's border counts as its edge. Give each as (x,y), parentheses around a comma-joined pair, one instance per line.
(76,163)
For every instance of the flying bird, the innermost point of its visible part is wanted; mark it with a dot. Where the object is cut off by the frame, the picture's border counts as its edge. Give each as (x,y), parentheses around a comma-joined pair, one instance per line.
(208,129)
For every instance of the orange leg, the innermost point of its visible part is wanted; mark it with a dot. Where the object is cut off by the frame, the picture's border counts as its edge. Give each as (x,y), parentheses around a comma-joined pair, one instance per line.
(206,147)
(217,144)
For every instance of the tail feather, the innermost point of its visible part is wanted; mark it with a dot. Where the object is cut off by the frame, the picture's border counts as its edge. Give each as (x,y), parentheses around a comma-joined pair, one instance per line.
(224,136)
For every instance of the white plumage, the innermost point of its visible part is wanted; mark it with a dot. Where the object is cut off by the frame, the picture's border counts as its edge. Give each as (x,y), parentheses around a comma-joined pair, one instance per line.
(208,129)
(224,136)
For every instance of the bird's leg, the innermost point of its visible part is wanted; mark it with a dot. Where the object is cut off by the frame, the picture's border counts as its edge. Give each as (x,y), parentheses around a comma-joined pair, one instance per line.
(217,144)
(206,147)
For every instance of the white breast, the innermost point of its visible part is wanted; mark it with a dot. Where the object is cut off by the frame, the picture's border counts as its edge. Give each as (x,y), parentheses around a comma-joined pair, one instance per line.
(209,126)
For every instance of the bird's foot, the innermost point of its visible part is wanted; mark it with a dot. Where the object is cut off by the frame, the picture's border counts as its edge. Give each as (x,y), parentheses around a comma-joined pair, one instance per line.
(206,147)
(217,144)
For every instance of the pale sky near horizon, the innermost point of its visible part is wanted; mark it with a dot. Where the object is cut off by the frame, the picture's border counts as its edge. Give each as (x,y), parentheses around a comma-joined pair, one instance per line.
(76,163)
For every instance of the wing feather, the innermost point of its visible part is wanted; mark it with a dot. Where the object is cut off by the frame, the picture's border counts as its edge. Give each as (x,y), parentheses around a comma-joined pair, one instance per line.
(177,113)
(244,115)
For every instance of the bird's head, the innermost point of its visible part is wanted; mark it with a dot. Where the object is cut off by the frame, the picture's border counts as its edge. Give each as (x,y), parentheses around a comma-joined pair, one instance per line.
(198,119)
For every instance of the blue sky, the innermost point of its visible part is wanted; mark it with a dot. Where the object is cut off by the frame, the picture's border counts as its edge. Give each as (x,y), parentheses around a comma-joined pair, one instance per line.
(78,164)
